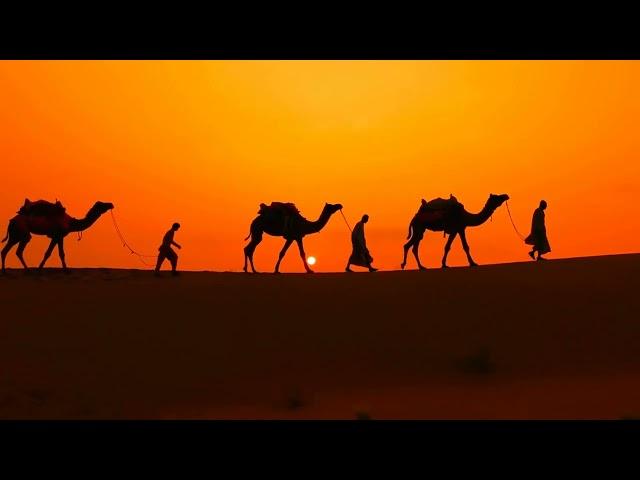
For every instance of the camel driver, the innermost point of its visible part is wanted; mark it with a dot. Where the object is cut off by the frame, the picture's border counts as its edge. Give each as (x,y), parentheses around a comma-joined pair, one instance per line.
(538,235)
(360,254)
(167,252)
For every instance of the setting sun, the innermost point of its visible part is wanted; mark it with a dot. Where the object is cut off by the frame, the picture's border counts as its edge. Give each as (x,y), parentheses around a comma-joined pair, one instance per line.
(176,192)
(205,142)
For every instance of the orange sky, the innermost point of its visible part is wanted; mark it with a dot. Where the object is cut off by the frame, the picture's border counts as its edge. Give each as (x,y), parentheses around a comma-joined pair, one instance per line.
(204,142)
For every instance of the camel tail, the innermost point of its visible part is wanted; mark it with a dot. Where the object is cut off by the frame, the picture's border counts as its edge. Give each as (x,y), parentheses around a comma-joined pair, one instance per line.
(410,231)
(6,236)
(250,230)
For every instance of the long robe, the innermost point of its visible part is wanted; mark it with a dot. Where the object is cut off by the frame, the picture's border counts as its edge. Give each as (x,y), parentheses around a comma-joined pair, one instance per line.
(538,235)
(360,254)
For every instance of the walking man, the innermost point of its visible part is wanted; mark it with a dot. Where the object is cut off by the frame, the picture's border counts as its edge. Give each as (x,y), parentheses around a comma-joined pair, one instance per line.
(538,235)
(360,253)
(166,252)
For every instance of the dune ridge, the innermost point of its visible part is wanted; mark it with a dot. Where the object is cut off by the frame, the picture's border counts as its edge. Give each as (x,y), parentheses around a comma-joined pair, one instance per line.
(555,339)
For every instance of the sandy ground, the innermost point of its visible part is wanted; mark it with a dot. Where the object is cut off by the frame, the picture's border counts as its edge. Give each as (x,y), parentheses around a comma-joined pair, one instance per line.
(525,340)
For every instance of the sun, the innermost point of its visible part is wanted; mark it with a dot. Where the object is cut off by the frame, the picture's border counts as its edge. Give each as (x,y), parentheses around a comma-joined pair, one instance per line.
(311,260)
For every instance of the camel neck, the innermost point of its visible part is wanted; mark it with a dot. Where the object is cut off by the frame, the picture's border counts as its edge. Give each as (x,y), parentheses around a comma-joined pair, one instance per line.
(319,224)
(81,224)
(475,219)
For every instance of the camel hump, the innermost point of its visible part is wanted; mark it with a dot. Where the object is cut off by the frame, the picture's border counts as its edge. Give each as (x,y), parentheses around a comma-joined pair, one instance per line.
(441,204)
(41,208)
(287,208)
(437,209)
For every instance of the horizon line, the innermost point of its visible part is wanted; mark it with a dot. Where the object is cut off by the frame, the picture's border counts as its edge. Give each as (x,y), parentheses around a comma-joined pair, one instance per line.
(269,272)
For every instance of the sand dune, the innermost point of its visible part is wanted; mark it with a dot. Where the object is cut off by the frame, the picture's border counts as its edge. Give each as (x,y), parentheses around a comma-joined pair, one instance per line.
(525,340)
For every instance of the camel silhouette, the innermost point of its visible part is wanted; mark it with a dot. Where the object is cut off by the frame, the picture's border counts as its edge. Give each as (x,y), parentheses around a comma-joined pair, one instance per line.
(278,222)
(44,218)
(448,216)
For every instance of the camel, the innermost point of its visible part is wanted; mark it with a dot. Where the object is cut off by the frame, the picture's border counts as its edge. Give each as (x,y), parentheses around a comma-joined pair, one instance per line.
(450,217)
(273,221)
(44,218)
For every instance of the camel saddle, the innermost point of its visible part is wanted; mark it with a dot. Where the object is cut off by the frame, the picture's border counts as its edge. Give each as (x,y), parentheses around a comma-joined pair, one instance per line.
(438,208)
(41,208)
(281,208)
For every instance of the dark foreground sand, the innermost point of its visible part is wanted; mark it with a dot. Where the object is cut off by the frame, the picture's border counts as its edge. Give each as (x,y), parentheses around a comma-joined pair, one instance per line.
(525,340)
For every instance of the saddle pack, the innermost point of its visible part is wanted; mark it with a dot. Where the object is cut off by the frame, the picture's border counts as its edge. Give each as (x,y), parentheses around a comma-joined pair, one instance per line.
(279,208)
(41,208)
(438,208)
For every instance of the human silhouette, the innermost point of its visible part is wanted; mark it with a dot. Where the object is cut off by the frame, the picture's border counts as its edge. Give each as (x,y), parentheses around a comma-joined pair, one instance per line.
(166,252)
(360,253)
(538,235)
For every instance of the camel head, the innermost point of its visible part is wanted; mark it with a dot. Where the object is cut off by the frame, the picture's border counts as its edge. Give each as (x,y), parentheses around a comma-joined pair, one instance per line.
(101,207)
(496,200)
(332,207)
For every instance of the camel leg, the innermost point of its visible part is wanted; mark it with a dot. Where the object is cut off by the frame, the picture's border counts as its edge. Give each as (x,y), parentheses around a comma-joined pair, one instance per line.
(246,256)
(406,248)
(7,248)
(253,268)
(61,254)
(447,247)
(465,245)
(47,254)
(415,248)
(303,255)
(287,244)
(256,238)
(20,250)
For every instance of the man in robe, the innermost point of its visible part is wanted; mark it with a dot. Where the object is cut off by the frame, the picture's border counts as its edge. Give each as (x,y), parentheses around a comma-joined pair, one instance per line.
(360,254)
(538,235)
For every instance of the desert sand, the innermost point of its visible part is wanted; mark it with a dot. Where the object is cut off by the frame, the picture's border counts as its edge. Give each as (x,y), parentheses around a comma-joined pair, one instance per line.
(532,340)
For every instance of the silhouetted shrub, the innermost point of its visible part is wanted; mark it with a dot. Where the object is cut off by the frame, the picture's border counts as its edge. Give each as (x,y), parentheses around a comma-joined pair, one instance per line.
(478,363)
(630,417)
(295,400)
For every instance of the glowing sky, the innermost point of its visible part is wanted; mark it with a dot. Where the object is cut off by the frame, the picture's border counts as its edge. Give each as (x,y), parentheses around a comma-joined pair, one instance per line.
(205,142)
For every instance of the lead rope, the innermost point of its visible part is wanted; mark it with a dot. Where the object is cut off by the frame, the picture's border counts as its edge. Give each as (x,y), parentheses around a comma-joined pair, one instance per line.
(125,244)
(512,223)
(345,220)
